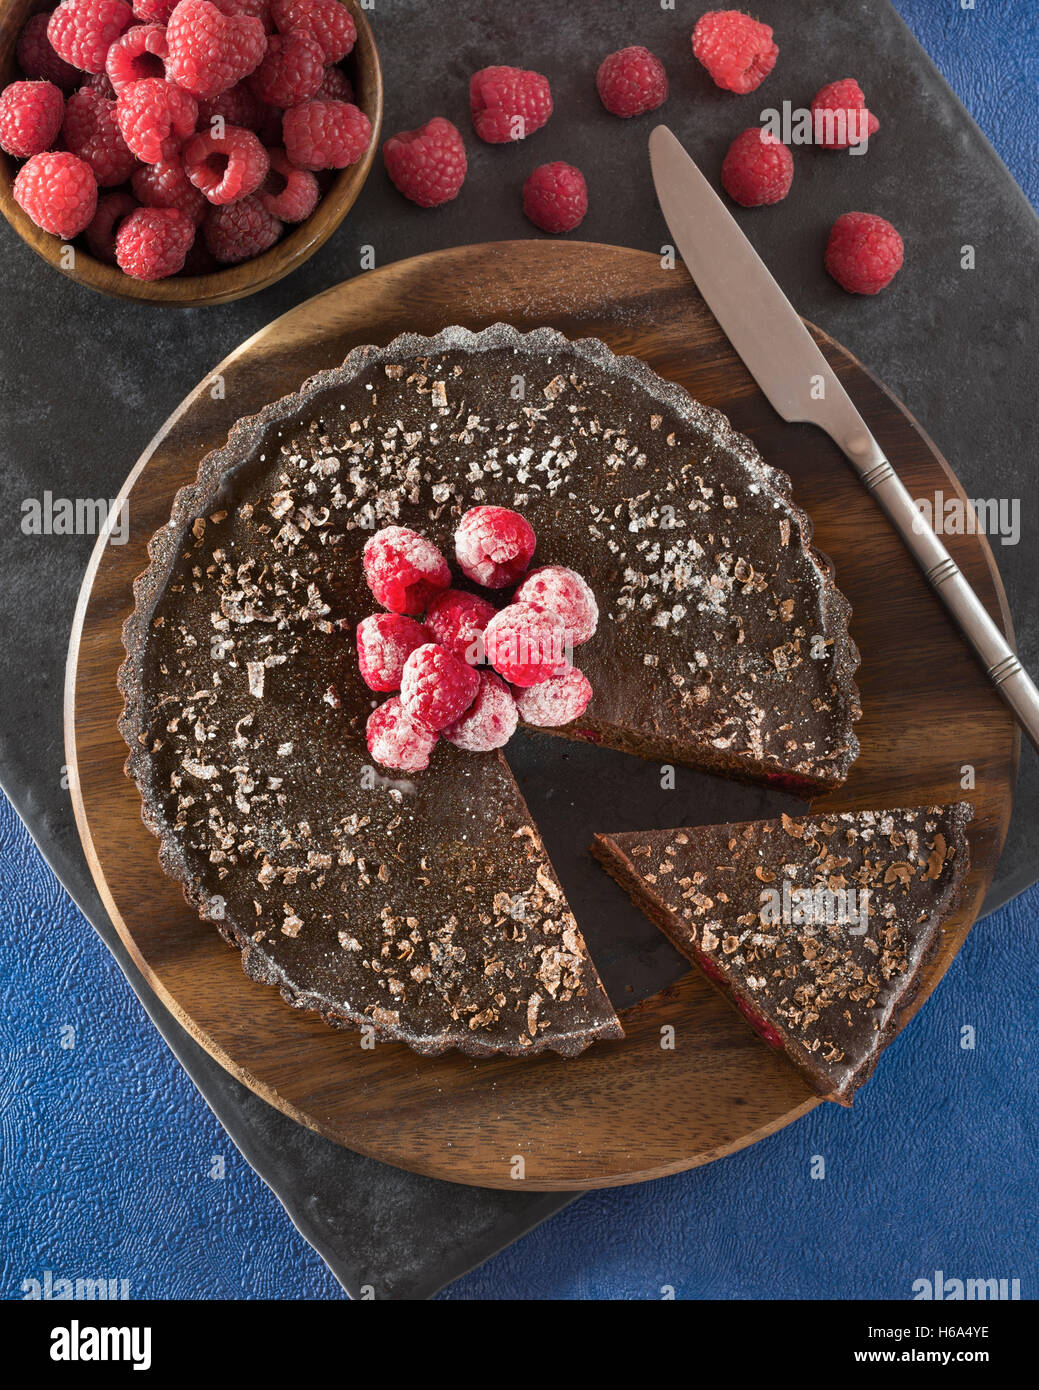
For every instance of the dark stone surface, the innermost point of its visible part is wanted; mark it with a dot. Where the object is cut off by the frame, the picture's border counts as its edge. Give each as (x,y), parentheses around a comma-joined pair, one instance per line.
(88,380)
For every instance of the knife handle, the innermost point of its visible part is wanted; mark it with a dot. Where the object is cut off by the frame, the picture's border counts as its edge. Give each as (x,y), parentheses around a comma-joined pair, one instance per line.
(945,577)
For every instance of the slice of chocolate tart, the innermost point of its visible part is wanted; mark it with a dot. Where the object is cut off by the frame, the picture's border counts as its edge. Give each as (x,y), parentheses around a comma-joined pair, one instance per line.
(426,906)
(816,928)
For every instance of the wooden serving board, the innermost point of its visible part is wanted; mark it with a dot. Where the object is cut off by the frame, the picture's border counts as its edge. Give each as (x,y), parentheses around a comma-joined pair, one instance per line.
(625,1111)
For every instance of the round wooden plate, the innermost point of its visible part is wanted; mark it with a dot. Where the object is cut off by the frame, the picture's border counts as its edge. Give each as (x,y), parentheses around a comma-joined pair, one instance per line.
(624,1111)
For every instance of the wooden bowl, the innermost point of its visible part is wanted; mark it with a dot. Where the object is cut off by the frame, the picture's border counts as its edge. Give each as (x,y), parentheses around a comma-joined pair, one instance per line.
(236,281)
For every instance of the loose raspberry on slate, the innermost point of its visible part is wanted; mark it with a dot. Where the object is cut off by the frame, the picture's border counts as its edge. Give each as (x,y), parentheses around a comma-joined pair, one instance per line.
(140,53)
(238,106)
(38,61)
(292,70)
(508,103)
(864,252)
(555,197)
(236,231)
(384,643)
(91,131)
(489,722)
(631,82)
(154,11)
(565,594)
(758,169)
(839,116)
(493,546)
(736,50)
(209,51)
(155,118)
(325,134)
(287,192)
(427,165)
(82,31)
(328,21)
(152,243)
(437,688)
(101,231)
(555,701)
(396,741)
(226,169)
(526,645)
(58,191)
(457,620)
(30,117)
(166,185)
(335,86)
(404,570)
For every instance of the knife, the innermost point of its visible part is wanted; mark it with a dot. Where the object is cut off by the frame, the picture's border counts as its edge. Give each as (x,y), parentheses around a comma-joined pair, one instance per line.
(782,357)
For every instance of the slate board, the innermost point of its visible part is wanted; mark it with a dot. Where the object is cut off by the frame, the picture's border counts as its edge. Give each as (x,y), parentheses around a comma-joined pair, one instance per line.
(87,381)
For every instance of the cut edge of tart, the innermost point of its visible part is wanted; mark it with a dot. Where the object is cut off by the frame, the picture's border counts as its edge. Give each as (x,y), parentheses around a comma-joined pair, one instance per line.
(213,493)
(830,996)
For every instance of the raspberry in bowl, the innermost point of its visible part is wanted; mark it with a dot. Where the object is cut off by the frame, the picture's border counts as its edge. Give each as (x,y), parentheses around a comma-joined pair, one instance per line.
(193,64)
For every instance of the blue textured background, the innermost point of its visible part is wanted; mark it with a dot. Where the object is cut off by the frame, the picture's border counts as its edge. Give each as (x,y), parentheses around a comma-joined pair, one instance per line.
(112,1166)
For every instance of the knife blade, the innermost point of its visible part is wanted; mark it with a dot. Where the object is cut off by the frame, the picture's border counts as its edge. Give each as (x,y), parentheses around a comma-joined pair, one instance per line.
(781,355)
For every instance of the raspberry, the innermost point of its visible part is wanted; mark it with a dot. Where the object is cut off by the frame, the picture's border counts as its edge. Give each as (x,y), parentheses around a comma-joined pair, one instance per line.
(209,51)
(325,134)
(270,128)
(563,593)
(256,9)
(101,232)
(154,11)
(525,644)
(30,117)
(58,191)
(228,169)
(404,570)
(493,546)
(508,103)
(140,53)
(292,70)
(288,192)
(384,643)
(396,741)
(457,621)
(155,118)
(631,82)
(864,252)
(82,31)
(555,701)
(328,21)
(153,242)
(437,688)
(839,112)
(91,131)
(200,260)
(427,165)
(238,106)
(335,86)
(555,197)
(166,185)
(237,231)
(37,59)
(758,169)
(736,50)
(489,722)
(99,83)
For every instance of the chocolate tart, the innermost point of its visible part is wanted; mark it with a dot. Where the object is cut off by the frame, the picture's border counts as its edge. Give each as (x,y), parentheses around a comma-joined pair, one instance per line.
(426,907)
(773,913)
